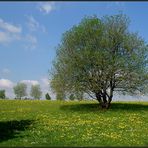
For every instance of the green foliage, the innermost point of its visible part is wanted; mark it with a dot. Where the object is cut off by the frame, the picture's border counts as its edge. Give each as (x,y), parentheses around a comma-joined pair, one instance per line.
(2,94)
(38,123)
(100,56)
(60,96)
(20,90)
(57,87)
(47,96)
(71,97)
(77,95)
(36,91)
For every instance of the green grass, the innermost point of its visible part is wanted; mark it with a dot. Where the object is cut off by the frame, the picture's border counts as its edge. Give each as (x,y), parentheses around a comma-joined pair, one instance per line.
(53,123)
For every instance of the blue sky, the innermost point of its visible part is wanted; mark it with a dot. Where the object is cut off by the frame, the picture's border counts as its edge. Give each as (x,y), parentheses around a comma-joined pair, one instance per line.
(30,32)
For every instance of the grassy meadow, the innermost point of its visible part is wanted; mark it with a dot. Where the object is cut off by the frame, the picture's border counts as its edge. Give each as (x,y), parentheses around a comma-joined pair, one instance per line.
(73,123)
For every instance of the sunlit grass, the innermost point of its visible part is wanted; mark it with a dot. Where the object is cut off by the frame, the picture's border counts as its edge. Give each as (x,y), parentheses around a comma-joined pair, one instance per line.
(55,123)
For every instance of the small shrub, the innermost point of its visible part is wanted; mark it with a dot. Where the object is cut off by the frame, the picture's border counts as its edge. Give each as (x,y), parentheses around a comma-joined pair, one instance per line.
(47,96)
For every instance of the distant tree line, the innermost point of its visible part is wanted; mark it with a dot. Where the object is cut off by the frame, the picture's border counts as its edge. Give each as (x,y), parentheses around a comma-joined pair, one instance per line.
(20,91)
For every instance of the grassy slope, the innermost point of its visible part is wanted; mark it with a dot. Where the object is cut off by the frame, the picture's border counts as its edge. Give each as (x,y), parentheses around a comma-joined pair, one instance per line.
(52,123)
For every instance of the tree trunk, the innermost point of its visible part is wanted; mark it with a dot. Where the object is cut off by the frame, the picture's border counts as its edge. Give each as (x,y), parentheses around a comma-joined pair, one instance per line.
(102,99)
(109,101)
(98,96)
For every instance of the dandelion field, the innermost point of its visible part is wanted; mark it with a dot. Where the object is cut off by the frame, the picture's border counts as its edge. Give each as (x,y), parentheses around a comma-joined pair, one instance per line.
(73,123)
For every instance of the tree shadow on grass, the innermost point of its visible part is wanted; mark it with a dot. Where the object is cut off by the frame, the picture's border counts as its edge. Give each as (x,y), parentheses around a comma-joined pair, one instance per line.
(92,107)
(12,129)
(80,107)
(146,143)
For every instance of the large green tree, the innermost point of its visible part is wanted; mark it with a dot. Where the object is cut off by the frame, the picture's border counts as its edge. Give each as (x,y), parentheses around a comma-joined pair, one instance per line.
(20,90)
(36,91)
(100,56)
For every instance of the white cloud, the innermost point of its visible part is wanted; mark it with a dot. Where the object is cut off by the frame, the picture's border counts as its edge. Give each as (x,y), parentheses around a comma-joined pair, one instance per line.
(4,37)
(115,5)
(30,82)
(120,4)
(45,81)
(46,7)
(30,42)
(9,27)
(32,39)
(9,32)
(34,25)
(5,83)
